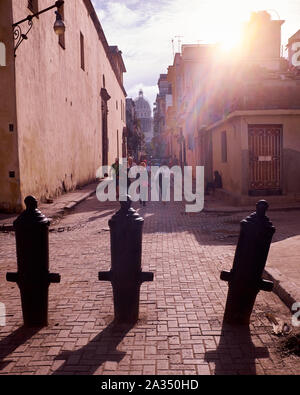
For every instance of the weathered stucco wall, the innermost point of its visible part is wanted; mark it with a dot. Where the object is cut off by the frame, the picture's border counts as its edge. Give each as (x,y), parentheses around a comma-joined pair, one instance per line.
(59,103)
(231,170)
(9,183)
(235,172)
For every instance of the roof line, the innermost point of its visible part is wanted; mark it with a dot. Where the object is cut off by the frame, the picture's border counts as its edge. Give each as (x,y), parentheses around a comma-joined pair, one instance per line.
(244,113)
(101,35)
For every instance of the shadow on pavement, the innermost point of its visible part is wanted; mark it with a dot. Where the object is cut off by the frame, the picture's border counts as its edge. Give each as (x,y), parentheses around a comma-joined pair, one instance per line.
(14,341)
(236,353)
(99,350)
(211,228)
(208,228)
(92,204)
(105,214)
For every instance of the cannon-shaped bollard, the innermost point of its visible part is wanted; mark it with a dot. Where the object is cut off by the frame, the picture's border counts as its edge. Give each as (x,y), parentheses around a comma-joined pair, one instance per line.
(33,277)
(126,276)
(245,278)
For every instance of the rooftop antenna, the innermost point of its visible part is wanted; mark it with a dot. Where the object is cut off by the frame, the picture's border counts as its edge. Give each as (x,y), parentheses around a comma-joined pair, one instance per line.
(173,48)
(179,42)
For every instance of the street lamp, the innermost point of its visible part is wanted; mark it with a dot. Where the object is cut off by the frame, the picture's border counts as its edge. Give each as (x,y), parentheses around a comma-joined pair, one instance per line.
(59,26)
(19,36)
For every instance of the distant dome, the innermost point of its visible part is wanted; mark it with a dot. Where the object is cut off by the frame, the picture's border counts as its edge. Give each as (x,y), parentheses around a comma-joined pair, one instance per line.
(142,107)
(144,115)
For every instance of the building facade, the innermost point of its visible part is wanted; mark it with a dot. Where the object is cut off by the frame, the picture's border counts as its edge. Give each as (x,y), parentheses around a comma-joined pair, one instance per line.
(161,105)
(62,102)
(254,130)
(239,116)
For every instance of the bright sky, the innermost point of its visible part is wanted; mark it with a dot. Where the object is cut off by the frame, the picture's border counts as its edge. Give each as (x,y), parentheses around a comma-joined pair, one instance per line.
(144,29)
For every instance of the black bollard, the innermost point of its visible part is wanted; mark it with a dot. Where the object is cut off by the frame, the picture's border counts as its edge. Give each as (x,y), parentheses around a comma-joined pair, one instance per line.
(126,276)
(245,278)
(33,277)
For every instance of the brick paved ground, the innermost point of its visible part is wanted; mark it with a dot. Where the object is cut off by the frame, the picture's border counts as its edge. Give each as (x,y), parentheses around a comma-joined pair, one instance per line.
(180,328)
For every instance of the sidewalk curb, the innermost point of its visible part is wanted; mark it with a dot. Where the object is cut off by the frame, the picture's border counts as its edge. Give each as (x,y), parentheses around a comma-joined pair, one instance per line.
(246,209)
(283,287)
(74,203)
(61,211)
(6,228)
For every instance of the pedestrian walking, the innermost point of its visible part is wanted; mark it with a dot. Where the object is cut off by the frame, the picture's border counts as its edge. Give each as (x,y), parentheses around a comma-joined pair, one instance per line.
(144,184)
(164,182)
(130,164)
(116,171)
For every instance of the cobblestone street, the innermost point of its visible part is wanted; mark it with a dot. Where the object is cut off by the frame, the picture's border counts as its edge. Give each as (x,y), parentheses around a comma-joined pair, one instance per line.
(180,329)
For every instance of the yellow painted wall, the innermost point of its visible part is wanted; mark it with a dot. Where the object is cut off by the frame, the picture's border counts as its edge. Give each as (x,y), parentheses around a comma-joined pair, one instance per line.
(59,104)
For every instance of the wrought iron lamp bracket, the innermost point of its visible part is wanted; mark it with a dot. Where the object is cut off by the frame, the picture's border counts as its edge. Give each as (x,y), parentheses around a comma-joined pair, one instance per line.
(18,34)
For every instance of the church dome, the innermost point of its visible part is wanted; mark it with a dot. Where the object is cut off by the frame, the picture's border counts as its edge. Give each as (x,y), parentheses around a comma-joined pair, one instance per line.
(142,107)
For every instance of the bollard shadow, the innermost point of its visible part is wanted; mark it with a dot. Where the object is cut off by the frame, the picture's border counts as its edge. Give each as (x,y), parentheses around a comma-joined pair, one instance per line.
(105,214)
(236,353)
(99,350)
(12,342)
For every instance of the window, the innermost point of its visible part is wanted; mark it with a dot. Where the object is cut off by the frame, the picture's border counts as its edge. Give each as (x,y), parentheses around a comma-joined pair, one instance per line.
(61,37)
(224,147)
(82,51)
(33,5)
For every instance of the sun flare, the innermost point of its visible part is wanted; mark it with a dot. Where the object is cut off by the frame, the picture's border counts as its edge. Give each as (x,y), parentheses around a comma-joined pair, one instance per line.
(225,26)
(230,41)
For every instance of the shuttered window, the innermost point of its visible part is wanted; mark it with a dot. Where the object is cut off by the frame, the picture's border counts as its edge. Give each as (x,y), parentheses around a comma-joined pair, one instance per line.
(82,60)
(61,37)
(33,5)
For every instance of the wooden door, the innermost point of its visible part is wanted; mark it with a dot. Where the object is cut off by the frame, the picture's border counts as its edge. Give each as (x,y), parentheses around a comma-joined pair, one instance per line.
(265,142)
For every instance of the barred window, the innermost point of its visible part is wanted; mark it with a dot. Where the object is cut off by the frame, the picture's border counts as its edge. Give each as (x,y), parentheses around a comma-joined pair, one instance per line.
(33,5)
